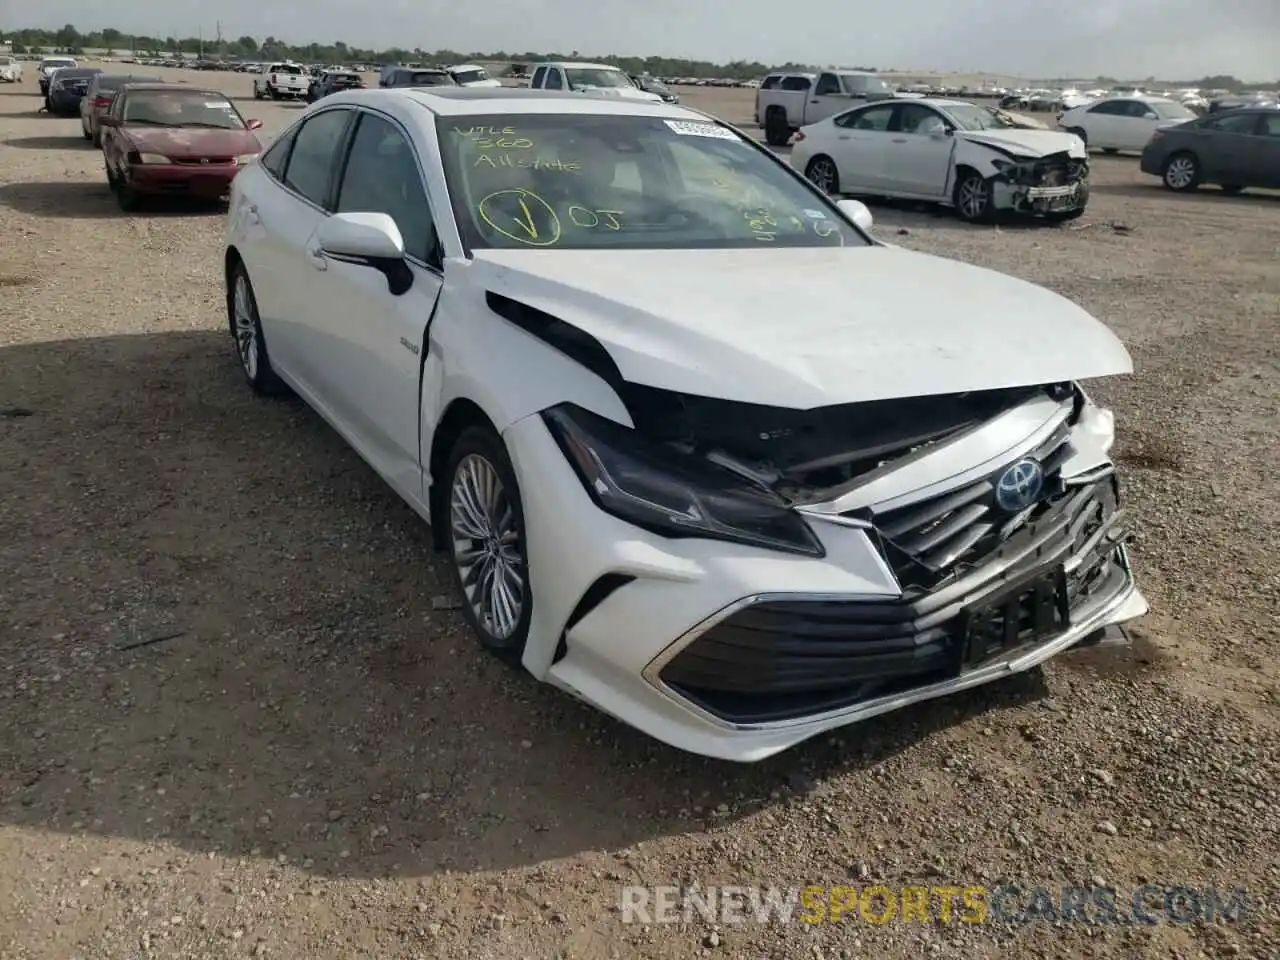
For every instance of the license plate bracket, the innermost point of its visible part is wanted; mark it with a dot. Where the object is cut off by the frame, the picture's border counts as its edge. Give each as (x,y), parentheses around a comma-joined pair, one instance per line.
(1025,615)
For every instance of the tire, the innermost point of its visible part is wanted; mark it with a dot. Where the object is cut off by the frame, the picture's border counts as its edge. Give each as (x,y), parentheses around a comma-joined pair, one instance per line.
(1231,189)
(257,94)
(777,131)
(127,198)
(972,198)
(1181,172)
(823,174)
(85,133)
(246,335)
(486,539)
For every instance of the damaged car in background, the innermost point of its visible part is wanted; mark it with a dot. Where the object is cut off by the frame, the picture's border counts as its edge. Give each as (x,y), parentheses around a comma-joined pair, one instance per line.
(696,447)
(971,158)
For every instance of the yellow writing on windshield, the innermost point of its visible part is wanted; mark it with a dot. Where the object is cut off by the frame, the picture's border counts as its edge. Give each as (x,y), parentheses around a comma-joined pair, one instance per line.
(496,160)
(521,215)
(525,217)
(762,224)
(495,138)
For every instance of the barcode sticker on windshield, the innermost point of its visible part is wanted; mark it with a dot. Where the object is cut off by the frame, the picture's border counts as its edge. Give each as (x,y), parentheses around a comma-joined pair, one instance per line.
(216,105)
(687,128)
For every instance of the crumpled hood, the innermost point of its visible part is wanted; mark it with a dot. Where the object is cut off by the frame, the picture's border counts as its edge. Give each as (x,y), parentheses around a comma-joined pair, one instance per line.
(808,327)
(1028,143)
(192,143)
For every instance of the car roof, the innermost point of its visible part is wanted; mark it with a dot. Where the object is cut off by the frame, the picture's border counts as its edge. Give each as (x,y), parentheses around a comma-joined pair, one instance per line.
(163,87)
(472,101)
(579,64)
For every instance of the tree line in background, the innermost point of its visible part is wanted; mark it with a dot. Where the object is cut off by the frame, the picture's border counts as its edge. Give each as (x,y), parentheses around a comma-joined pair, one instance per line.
(72,41)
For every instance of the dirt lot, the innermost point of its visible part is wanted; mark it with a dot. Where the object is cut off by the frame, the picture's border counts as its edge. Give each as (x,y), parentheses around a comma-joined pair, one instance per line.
(313,759)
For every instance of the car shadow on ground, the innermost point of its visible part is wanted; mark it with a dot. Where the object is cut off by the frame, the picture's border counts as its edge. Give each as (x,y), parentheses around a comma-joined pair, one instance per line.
(70,142)
(225,632)
(78,199)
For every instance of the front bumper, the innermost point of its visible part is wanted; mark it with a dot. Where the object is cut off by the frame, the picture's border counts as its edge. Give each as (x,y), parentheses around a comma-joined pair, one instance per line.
(712,647)
(1038,188)
(196,180)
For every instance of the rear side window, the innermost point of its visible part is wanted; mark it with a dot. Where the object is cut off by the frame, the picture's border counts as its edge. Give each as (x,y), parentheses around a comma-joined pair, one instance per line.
(771,81)
(1109,108)
(315,148)
(796,83)
(538,76)
(277,155)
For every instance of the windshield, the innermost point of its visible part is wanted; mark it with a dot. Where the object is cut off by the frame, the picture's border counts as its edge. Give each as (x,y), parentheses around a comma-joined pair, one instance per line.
(1171,110)
(187,108)
(967,116)
(584,182)
(596,77)
(865,85)
(469,76)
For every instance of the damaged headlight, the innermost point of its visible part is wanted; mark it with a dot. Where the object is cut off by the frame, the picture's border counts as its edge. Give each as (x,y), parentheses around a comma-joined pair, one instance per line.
(671,494)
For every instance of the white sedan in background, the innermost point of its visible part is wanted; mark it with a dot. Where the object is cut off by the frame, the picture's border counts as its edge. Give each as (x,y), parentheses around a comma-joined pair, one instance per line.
(10,69)
(696,448)
(949,152)
(1123,123)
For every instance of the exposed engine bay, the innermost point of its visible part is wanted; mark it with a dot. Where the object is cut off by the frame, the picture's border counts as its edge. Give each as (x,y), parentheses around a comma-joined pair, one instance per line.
(802,455)
(1042,185)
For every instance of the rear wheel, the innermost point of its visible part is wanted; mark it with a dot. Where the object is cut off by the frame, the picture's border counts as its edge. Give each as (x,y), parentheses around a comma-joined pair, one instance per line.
(777,131)
(822,173)
(1182,172)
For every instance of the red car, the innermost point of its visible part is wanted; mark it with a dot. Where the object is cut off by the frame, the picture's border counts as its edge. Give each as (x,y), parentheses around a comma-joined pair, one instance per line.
(165,140)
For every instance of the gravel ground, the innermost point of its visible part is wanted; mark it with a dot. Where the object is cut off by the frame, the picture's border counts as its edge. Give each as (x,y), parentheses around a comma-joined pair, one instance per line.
(241,721)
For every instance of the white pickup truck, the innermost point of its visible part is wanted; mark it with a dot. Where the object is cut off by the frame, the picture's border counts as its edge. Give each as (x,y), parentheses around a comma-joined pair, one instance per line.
(280,81)
(786,102)
(595,79)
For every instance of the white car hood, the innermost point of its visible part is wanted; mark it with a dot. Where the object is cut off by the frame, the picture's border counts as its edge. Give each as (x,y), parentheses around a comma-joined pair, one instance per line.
(623,93)
(808,327)
(1027,143)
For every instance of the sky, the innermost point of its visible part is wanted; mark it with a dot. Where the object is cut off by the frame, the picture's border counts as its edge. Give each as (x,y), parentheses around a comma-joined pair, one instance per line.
(1126,39)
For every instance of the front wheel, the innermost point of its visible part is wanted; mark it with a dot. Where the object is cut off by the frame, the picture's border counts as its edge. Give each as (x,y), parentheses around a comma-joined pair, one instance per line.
(486,542)
(1182,172)
(822,173)
(246,333)
(973,199)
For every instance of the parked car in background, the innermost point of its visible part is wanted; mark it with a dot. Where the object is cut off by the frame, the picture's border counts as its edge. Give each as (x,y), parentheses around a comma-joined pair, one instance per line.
(163,140)
(470,75)
(67,86)
(652,85)
(283,80)
(416,77)
(949,152)
(10,70)
(592,79)
(1234,149)
(47,68)
(1123,123)
(331,81)
(798,101)
(774,81)
(731,532)
(97,100)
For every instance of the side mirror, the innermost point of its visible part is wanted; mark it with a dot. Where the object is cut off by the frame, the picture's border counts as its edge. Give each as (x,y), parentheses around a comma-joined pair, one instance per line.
(1149,116)
(108,121)
(856,211)
(254,124)
(368,240)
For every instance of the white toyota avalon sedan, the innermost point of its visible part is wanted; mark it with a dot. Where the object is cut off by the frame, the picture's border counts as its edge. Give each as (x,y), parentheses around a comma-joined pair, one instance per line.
(699,450)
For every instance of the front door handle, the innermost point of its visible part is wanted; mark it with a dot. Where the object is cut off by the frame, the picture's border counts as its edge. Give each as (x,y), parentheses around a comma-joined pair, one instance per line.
(317,258)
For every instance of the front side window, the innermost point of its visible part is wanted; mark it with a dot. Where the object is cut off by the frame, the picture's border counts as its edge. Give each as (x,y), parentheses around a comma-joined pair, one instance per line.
(857,84)
(311,160)
(553,79)
(1171,110)
(585,78)
(913,118)
(538,76)
(827,83)
(1239,123)
(382,176)
(624,182)
(875,118)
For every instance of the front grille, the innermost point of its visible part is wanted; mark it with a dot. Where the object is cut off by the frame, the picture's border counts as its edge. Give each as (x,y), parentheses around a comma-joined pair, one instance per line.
(782,659)
(924,540)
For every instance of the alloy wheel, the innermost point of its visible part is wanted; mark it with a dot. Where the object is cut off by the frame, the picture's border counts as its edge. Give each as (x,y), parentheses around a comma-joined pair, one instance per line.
(1180,173)
(486,546)
(973,198)
(822,174)
(246,328)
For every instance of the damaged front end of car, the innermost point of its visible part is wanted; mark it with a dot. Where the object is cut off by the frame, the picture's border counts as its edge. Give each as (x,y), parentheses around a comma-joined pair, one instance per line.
(1057,183)
(996,512)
